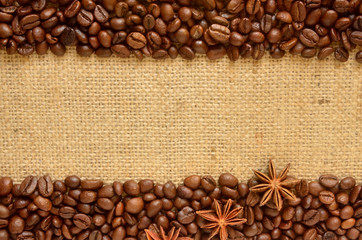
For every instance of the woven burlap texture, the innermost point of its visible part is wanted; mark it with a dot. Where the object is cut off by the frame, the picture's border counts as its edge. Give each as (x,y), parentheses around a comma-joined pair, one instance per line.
(121,118)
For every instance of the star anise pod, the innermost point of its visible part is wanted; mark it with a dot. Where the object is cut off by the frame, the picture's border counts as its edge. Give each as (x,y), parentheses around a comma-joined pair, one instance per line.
(172,235)
(275,186)
(222,219)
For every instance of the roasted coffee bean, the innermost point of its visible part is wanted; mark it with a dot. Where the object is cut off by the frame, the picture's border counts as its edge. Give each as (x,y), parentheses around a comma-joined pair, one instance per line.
(219,33)
(72,9)
(325,52)
(309,38)
(341,55)
(82,221)
(85,18)
(298,11)
(6,183)
(100,14)
(30,21)
(29,184)
(253,6)
(356,37)
(186,215)
(136,40)
(311,217)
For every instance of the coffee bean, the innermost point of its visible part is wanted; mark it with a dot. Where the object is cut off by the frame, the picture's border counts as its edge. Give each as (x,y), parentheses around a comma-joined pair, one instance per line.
(228,180)
(310,234)
(341,55)
(186,53)
(58,49)
(284,16)
(311,217)
(253,6)
(136,40)
(326,197)
(72,9)
(308,37)
(134,205)
(30,21)
(16,225)
(325,52)
(100,14)
(235,6)
(121,50)
(219,33)
(167,12)
(29,184)
(43,203)
(90,184)
(356,37)
(298,11)
(82,221)
(6,184)
(186,215)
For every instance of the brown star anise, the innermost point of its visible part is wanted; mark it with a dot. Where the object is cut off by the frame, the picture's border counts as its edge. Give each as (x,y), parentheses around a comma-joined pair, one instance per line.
(221,219)
(172,235)
(275,186)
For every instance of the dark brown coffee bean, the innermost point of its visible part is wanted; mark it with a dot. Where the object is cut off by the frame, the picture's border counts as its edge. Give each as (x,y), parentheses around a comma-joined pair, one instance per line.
(325,52)
(72,9)
(186,53)
(82,221)
(257,37)
(100,14)
(6,184)
(326,197)
(308,37)
(298,11)
(328,180)
(43,203)
(134,205)
(310,234)
(329,18)
(67,212)
(341,55)
(216,52)
(85,18)
(235,6)
(313,17)
(105,39)
(244,25)
(284,16)
(219,33)
(356,37)
(29,184)
(253,6)
(16,225)
(186,215)
(233,54)
(311,217)
(136,40)
(30,21)
(167,12)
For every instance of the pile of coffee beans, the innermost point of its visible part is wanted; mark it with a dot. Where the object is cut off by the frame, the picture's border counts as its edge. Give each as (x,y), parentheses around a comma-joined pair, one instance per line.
(39,208)
(168,28)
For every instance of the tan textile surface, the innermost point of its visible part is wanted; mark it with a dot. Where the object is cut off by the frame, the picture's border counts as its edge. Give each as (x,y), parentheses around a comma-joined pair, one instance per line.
(121,118)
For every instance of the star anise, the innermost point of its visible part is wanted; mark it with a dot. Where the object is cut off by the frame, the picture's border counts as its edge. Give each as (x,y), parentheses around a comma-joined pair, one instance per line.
(172,235)
(275,186)
(221,219)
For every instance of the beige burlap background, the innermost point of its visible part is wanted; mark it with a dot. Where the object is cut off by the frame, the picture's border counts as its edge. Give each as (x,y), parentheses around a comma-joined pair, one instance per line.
(121,118)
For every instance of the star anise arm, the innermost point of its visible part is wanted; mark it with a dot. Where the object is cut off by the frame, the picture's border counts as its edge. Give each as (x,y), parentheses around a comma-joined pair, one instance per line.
(232,214)
(210,225)
(236,221)
(261,176)
(152,235)
(278,199)
(289,183)
(272,171)
(223,233)
(227,208)
(287,194)
(260,187)
(208,215)
(266,197)
(218,209)
(283,174)
(214,232)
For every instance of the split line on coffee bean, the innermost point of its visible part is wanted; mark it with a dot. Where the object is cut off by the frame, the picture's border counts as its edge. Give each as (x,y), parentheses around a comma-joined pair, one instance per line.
(168,28)
(270,206)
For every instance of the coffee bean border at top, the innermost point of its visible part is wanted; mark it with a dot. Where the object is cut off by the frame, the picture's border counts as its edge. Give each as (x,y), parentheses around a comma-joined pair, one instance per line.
(168,28)
(270,206)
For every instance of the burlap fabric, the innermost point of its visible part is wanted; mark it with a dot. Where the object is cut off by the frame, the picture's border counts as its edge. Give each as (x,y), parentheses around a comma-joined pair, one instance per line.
(120,118)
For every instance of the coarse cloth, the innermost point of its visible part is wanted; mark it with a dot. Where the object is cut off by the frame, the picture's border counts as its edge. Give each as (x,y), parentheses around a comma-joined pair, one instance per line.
(119,119)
